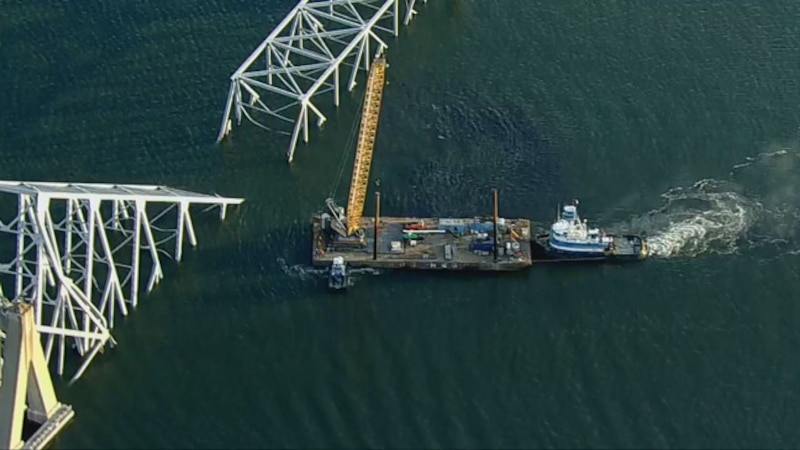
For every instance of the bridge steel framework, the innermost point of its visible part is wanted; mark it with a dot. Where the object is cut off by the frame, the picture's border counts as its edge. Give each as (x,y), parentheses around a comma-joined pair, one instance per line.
(305,56)
(80,251)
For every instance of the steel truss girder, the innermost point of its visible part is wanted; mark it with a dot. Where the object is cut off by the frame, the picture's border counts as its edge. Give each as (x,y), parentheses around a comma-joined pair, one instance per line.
(79,254)
(302,57)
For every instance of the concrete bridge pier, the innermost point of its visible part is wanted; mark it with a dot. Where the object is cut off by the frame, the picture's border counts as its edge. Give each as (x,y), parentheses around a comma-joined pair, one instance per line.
(26,388)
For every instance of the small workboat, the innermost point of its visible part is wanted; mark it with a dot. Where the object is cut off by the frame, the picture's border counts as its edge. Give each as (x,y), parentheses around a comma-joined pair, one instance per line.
(337,277)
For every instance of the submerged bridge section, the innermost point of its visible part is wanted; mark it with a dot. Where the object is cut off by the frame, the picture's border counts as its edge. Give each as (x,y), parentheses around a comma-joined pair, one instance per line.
(306,56)
(84,251)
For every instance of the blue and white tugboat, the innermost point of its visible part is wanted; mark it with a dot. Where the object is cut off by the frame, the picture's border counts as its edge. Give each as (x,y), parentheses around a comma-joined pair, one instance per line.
(570,238)
(337,277)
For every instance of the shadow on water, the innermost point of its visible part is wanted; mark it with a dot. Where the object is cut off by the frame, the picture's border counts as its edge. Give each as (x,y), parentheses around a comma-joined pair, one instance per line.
(475,145)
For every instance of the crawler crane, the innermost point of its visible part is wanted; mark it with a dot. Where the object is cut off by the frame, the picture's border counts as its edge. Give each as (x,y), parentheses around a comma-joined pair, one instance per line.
(341,237)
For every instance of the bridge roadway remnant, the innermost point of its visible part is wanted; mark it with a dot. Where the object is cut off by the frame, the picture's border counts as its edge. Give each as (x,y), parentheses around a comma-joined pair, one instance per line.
(302,57)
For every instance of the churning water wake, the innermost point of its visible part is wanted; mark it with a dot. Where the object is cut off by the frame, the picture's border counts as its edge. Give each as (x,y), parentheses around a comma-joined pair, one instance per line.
(755,208)
(305,272)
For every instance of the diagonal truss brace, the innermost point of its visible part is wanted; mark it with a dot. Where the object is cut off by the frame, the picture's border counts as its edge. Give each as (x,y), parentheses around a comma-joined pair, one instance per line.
(304,56)
(80,250)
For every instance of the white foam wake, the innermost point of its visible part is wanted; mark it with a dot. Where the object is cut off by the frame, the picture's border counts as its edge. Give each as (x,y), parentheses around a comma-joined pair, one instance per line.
(306,272)
(702,218)
(759,206)
(301,271)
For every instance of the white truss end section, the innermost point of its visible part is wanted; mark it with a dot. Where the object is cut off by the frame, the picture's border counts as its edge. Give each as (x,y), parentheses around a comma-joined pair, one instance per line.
(305,56)
(80,248)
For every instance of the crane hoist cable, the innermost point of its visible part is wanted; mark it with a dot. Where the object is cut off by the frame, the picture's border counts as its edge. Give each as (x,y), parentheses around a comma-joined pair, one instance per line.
(346,154)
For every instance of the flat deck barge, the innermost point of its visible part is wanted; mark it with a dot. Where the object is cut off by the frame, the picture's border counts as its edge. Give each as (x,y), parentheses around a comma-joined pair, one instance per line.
(427,244)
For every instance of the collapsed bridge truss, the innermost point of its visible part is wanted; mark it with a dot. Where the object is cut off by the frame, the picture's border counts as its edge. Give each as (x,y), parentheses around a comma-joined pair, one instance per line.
(79,252)
(303,58)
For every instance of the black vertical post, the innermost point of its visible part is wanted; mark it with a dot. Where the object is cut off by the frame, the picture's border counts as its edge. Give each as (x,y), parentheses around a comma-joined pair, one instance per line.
(495,223)
(375,226)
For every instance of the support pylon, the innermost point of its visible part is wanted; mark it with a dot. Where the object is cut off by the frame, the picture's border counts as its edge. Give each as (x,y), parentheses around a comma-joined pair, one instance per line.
(26,386)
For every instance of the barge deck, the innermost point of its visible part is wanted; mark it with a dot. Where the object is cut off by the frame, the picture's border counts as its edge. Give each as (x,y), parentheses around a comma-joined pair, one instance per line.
(427,244)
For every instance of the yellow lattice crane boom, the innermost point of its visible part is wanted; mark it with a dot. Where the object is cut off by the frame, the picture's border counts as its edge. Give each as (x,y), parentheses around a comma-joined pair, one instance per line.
(366,141)
(347,222)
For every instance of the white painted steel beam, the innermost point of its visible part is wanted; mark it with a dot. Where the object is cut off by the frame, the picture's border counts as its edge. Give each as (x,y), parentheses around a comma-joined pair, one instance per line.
(80,250)
(302,57)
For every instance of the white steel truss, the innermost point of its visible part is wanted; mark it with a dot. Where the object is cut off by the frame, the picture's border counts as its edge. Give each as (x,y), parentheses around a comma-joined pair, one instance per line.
(79,251)
(299,58)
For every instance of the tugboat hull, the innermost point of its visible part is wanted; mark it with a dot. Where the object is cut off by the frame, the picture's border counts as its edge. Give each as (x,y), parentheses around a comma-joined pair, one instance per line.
(625,248)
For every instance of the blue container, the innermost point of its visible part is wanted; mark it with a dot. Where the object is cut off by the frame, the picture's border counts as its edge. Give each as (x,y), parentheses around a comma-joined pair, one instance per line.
(484,246)
(482,227)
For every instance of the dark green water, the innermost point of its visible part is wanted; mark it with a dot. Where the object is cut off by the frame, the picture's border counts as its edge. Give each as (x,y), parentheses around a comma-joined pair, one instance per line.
(680,119)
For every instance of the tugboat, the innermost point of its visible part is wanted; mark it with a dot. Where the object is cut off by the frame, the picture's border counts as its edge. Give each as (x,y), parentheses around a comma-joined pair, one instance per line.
(571,239)
(337,277)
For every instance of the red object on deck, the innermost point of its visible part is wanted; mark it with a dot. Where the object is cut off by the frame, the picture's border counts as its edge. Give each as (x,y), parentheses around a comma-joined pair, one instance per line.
(415,226)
